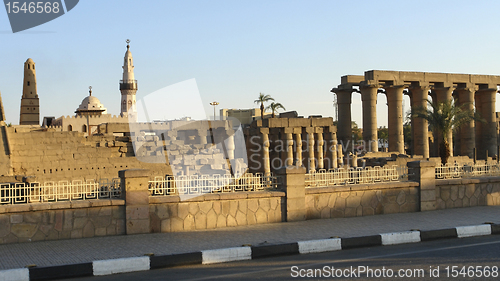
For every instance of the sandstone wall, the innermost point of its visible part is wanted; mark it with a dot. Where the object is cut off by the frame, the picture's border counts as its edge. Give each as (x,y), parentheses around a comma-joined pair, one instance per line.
(168,214)
(59,156)
(458,193)
(361,200)
(61,220)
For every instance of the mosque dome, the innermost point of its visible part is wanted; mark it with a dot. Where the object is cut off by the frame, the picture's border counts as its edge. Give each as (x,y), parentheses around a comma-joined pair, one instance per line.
(91,105)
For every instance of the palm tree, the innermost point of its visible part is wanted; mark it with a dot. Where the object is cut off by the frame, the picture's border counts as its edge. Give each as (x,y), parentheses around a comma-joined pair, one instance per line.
(444,117)
(274,106)
(262,99)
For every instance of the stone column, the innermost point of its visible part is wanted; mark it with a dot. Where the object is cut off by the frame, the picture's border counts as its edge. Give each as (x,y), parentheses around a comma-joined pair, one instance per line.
(424,172)
(467,134)
(332,148)
(395,108)
(265,150)
(340,155)
(420,126)
(479,126)
(319,146)
(444,95)
(310,149)
(289,143)
(369,100)
(344,99)
(298,143)
(294,181)
(489,128)
(134,184)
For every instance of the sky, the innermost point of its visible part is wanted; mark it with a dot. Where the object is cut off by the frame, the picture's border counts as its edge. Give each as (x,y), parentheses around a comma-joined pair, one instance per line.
(293,50)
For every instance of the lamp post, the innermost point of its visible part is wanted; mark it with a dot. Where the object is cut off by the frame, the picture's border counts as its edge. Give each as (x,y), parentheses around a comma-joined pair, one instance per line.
(214,104)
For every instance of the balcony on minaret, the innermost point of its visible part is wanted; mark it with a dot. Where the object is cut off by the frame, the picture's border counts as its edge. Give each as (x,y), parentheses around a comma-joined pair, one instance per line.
(128,84)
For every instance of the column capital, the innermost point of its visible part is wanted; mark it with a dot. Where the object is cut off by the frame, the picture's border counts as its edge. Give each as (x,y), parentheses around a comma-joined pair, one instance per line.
(342,90)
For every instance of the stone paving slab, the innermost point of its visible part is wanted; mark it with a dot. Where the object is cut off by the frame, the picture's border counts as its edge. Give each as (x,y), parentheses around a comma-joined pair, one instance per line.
(72,251)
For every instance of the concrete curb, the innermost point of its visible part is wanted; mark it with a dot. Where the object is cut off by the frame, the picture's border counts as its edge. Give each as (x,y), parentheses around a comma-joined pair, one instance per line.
(113,266)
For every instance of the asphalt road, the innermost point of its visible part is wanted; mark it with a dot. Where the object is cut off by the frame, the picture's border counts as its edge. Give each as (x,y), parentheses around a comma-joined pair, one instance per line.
(451,259)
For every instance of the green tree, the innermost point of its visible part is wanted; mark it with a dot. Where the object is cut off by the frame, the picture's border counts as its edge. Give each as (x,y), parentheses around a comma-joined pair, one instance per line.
(356,132)
(444,117)
(262,99)
(274,106)
(383,133)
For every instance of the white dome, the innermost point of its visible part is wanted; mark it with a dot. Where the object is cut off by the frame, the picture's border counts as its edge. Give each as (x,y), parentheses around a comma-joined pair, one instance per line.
(92,103)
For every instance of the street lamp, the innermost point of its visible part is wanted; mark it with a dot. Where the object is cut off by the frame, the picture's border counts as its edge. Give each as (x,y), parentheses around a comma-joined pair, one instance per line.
(214,104)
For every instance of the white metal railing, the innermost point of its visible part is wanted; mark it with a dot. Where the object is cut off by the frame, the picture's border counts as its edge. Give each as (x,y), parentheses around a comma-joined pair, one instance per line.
(184,185)
(341,176)
(20,193)
(450,171)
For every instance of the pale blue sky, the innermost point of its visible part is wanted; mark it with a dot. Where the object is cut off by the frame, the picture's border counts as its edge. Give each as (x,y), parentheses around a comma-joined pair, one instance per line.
(296,51)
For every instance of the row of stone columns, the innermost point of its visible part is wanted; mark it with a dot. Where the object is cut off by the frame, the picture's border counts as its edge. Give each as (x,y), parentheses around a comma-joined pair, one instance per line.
(369,100)
(472,134)
(317,147)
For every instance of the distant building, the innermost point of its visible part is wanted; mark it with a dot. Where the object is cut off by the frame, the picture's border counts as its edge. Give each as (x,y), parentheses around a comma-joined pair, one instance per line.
(91,112)
(245,116)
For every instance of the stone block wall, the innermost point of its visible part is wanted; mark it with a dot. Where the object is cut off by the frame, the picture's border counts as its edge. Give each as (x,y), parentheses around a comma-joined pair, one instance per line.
(169,214)
(458,193)
(59,156)
(61,220)
(361,200)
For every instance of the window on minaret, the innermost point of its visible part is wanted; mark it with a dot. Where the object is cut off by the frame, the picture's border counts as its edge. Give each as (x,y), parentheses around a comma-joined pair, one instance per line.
(28,83)
(28,66)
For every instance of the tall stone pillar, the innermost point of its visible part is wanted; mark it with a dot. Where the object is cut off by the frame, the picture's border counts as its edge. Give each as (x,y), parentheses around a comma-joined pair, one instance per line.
(424,172)
(134,185)
(369,100)
(265,150)
(444,94)
(298,143)
(294,182)
(489,131)
(332,148)
(289,144)
(344,99)
(420,126)
(479,126)
(395,108)
(467,134)
(319,148)
(340,155)
(310,149)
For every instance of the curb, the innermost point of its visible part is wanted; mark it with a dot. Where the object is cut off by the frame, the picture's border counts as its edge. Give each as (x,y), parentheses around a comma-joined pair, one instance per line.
(113,266)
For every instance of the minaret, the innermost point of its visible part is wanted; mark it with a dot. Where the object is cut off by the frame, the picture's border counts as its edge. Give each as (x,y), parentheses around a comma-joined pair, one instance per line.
(128,87)
(30,109)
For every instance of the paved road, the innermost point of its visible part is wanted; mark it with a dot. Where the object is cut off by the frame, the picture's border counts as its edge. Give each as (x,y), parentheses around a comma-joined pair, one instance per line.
(74,251)
(409,260)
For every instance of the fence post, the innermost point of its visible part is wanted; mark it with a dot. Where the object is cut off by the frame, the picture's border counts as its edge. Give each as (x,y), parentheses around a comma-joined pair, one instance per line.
(424,172)
(134,183)
(295,189)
